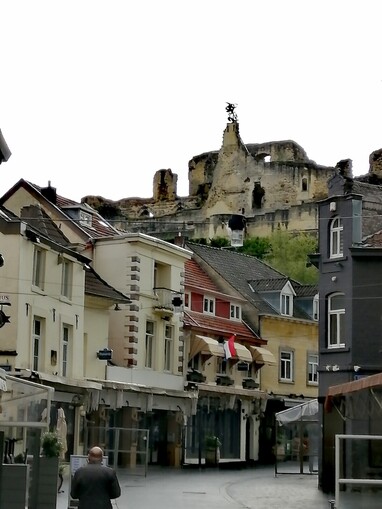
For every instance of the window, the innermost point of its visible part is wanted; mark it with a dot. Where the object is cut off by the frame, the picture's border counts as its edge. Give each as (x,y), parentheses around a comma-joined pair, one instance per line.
(38,267)
(286,366)
(336,320)
(209,305)
(37,344)
(195,362)
(312,368)
(286,304)
(66,334)
(66,279)
(187,300)
(168,347)
(304,184)
(149,344)
(336,238)
(316,308)
(221,366)
(235,312)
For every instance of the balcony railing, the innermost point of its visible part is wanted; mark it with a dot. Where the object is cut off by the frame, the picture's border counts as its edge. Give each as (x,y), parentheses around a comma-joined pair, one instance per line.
(167,301)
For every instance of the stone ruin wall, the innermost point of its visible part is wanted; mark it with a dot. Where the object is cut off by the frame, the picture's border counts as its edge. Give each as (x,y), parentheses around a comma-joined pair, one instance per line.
(273,184)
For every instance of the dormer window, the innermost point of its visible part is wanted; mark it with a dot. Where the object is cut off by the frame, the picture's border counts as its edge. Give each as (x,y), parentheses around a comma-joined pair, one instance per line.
(85,218)
(336,238)
(209,305)
(235,312)
(286,300)
(286,304)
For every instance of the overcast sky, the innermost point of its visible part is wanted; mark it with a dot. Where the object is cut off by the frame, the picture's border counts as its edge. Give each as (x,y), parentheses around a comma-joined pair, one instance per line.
(96,96)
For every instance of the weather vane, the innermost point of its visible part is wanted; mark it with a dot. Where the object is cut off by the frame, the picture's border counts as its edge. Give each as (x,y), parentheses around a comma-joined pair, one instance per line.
(230,109)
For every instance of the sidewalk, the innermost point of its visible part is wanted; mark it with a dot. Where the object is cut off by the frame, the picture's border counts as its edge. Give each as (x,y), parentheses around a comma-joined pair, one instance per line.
(252,488)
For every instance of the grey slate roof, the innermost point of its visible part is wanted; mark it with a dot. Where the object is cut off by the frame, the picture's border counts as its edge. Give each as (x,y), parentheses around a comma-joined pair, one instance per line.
(242,271)
(35,217)
(96,286)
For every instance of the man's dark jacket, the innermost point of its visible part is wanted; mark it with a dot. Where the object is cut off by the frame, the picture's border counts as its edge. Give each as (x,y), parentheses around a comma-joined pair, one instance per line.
(95,485)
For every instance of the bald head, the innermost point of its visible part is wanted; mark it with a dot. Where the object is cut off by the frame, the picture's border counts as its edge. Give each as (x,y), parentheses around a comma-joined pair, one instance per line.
(95,455)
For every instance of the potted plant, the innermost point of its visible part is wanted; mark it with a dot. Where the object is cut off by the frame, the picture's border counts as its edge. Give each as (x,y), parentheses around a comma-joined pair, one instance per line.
(51,445)
(212,450)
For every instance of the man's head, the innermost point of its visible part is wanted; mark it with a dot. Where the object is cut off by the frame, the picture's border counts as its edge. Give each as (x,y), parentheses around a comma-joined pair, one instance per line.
(95,455)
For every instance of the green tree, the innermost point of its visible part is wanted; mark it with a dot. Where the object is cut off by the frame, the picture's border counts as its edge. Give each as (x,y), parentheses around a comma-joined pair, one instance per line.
(256,246)
(289,254)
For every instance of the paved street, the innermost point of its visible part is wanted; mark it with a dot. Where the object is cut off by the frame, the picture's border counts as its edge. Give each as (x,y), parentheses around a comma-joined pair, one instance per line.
(252,488)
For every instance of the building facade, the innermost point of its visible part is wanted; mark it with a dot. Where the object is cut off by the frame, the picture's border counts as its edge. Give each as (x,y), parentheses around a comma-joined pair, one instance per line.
(350,264)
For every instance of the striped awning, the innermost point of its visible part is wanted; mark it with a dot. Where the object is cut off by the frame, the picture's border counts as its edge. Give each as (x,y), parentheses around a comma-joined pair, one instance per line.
(242,353)
(262,356)
(205,346)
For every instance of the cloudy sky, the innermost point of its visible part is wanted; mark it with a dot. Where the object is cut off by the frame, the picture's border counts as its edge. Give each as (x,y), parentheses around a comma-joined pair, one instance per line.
(96,96)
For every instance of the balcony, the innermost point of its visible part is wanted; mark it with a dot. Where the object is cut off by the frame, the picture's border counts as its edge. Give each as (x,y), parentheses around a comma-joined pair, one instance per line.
(167,302)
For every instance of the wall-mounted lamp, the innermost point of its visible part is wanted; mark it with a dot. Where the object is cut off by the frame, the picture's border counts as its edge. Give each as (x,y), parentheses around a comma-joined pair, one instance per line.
(356,368)
(334,279)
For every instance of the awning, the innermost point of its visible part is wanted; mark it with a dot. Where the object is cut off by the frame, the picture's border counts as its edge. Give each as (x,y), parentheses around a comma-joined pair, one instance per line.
(205,346)
(262,356)
(242,353)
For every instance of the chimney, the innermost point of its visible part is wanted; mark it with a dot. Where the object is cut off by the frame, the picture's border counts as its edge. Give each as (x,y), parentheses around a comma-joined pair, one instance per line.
(50,193)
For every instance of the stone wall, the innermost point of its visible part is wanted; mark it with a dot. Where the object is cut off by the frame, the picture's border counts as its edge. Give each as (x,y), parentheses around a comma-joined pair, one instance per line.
(273,184)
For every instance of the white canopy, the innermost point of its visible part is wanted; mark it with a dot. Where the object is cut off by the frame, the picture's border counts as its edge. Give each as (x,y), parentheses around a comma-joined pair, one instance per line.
(298,412)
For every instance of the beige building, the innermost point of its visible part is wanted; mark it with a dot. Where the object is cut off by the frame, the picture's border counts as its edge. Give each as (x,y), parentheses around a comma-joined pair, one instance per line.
(55,316)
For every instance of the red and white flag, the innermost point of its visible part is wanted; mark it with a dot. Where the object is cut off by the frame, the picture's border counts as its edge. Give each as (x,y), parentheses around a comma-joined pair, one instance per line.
(229,347)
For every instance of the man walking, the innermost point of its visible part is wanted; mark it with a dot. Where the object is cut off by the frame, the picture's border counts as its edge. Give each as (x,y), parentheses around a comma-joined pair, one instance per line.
(95,485)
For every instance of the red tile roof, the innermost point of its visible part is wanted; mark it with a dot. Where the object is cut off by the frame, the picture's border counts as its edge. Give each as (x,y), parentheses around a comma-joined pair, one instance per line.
(196,277)
(220,326)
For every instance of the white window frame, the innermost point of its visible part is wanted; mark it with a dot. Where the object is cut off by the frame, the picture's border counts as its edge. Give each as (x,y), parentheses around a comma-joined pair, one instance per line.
(336,238)
(67,279)
(208,305)
(235,312)
(38,344)
(221,366)
(187,300)
(286,304)
(286,365)
(336,322)
(168,347)
(312,361)
(38,276)
(149,344)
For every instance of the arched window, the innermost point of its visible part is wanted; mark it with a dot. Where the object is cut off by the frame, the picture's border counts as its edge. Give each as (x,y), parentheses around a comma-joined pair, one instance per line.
(304,184)
(336,238)
(336,320)
(316,308)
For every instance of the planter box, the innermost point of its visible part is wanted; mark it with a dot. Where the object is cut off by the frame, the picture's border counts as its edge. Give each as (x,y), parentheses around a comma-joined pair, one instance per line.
(212,457)
(196,376)
(45,475)
(249,383)
(15,481)
(224,380)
